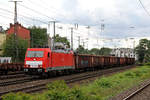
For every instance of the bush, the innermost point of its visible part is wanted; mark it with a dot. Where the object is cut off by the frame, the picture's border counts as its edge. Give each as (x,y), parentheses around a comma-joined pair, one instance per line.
(77,94)
(104,83)
(57,85)
(57,90)
(129,75)
(18,96)
(148,63)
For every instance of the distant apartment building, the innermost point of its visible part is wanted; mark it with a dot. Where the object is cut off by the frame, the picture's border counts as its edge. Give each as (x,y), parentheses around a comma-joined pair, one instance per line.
(2,39)
(123,52)
(21,32)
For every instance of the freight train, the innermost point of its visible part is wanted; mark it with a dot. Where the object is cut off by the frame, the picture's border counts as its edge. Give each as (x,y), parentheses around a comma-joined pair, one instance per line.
(47,61)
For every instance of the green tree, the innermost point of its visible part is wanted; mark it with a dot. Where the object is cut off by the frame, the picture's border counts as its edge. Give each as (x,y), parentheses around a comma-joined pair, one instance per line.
(39,37)
(81,50)
(9,48)
(95,51)
(147,55)
(102,51)
(105,51)
(143,50)
(62,40)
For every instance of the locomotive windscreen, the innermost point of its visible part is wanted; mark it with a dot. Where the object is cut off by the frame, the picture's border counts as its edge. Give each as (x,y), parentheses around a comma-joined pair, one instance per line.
(35,54)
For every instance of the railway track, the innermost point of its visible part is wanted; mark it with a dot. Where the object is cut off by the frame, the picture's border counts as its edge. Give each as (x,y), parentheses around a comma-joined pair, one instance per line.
(129,97)
(4,77)
(17,80)
(40,85)
(11,73)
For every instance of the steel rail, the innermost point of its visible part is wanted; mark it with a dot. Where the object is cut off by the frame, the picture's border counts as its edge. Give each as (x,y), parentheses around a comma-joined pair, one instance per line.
(137,91)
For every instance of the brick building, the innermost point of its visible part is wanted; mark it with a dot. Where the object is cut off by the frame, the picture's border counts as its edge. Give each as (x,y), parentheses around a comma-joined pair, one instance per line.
(22,32)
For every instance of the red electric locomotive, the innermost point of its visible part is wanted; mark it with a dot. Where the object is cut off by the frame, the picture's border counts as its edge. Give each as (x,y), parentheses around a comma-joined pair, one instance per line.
(45,60)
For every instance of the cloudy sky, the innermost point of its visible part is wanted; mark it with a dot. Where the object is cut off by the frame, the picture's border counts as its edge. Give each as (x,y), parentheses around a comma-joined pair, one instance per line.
(122,18)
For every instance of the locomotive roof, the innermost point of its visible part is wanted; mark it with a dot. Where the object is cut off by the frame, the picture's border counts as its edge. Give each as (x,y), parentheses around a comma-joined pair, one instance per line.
(37,49)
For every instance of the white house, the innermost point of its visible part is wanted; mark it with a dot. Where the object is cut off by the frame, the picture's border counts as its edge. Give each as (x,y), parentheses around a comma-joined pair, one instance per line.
(124,52)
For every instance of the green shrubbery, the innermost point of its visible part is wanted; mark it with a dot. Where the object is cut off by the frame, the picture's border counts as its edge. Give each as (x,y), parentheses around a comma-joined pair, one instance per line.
(148,64)
(103,83)
(17,96)
(58,90)
(101,89)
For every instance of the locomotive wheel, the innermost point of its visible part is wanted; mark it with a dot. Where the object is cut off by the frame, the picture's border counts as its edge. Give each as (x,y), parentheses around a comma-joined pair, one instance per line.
(44,75)
(67,72)
(6,72)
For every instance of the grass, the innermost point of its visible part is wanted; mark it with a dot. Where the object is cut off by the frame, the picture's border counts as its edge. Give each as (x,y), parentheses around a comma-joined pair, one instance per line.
(101,89)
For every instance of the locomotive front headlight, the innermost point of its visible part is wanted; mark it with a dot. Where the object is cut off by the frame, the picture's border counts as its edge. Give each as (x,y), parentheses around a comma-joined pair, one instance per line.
(28,66)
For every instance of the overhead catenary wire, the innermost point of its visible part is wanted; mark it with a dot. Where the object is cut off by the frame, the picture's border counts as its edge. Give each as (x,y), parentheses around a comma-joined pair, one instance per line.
(10,19)
(23,16)
(6,17)
(60,15)
(144,7)
(26,22)
(37,12)
(47,8)
(34,10)
(41,13)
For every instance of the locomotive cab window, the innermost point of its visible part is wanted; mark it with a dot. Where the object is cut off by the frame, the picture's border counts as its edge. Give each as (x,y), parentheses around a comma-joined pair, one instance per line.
(35,54)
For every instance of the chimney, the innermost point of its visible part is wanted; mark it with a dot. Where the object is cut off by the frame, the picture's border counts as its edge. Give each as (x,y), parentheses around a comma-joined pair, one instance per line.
(11,24)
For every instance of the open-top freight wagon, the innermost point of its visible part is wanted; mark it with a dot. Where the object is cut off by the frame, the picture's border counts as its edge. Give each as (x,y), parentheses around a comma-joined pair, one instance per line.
(44,60)
(6,65)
